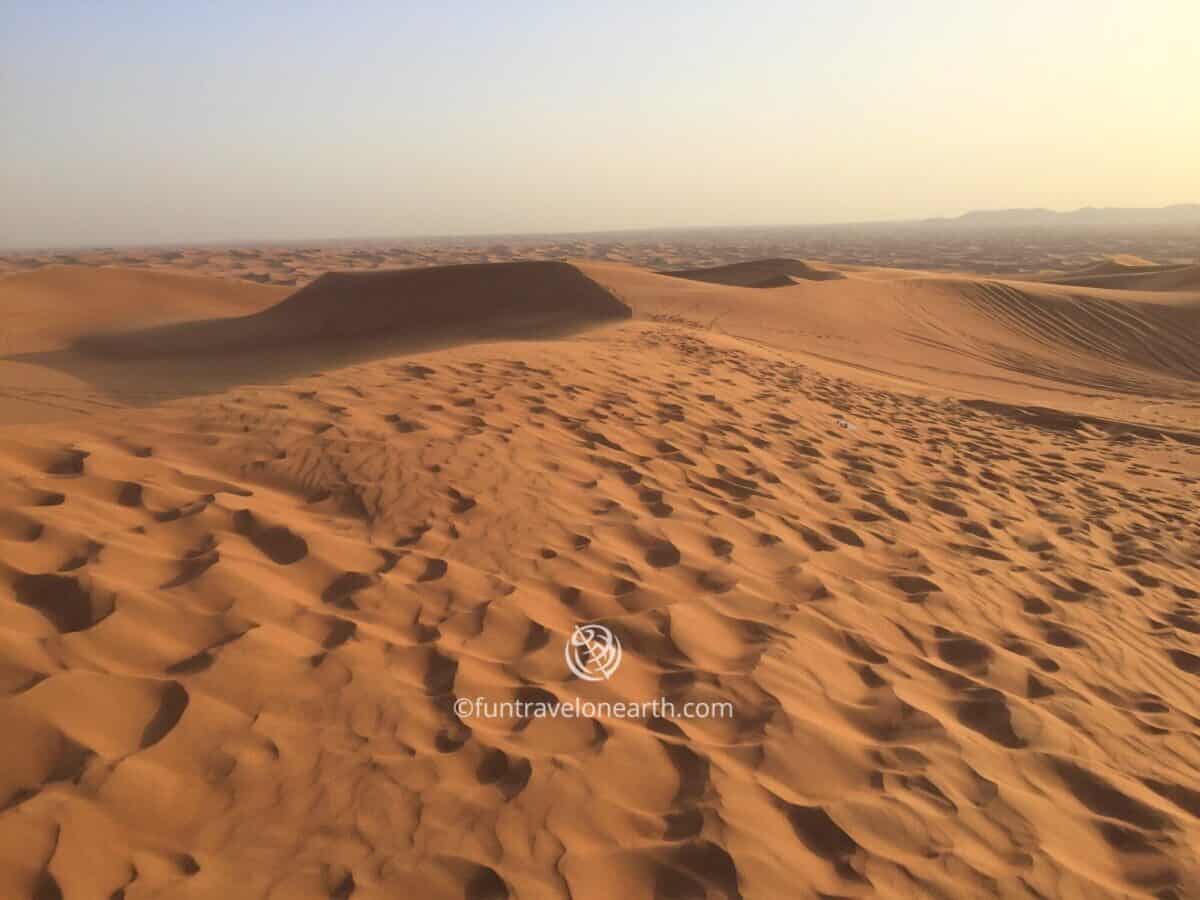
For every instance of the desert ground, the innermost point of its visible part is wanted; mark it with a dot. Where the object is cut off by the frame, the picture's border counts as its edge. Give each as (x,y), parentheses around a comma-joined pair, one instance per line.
(928,525)
(1025,251)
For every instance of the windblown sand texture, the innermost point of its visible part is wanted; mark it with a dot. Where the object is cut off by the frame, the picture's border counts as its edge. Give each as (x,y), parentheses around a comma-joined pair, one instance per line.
(934,536)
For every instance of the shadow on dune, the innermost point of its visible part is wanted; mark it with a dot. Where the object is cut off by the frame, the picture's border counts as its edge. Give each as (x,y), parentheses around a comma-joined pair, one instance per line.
(1060,420)
(760,273)
(1140,276)
(338,320)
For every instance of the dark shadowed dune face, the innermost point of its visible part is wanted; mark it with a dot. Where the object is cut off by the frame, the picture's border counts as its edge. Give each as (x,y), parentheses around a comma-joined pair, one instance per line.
(351,304)
(761,273)
(510,300)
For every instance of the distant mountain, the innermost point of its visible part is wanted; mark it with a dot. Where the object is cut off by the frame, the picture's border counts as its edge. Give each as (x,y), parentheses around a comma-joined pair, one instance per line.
(1178,214)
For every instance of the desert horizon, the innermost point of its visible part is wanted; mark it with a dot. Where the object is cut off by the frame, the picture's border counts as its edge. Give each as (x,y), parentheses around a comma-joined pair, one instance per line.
(528,557)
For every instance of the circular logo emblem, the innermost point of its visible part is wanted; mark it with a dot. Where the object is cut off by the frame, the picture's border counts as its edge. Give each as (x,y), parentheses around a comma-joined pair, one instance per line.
(593,652)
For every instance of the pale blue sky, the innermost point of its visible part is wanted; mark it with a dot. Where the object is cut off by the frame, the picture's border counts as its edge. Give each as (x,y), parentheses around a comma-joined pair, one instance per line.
(175,122)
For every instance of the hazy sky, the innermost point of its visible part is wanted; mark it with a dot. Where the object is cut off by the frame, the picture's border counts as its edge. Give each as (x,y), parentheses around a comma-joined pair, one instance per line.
(164,122)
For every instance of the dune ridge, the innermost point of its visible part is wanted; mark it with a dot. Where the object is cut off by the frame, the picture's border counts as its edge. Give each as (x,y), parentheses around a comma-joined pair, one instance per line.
(1182,277)
(503,299)
(996,338)
(761,273)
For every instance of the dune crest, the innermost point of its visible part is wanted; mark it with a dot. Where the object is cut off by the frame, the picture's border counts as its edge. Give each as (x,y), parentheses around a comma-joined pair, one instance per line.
(761,273)
(1004,339)
(1134,274)
(469,301)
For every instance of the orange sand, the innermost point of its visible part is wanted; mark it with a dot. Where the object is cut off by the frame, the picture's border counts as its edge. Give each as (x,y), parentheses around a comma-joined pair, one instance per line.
(933,536)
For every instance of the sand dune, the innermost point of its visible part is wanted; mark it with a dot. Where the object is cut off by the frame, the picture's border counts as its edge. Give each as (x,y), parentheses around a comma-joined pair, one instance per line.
(49,308)
(933,537)
(1002,339)
(1136,274)
(47,311)
(472,301)
(761,273)
(1117,264)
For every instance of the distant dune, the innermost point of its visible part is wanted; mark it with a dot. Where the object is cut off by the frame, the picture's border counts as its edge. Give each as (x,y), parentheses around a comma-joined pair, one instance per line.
(929,539)
(502,299)
(761,273)
(936,244)
(1128,273)
(1118,264)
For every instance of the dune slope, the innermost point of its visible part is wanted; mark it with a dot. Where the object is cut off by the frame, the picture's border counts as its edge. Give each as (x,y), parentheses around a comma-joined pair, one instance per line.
(1001,339)
(761,273)
(47,311)
(1131,273)
(49,308)
(509,299)
(1158,278)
